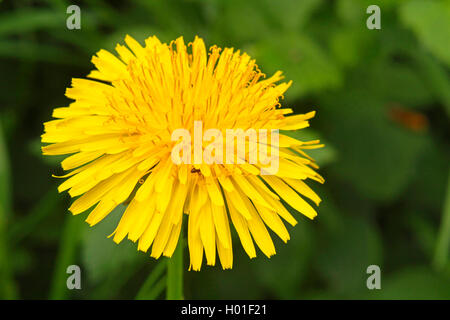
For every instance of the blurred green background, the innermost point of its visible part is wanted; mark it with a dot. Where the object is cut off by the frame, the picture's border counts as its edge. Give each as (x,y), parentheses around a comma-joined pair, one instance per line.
(383,104)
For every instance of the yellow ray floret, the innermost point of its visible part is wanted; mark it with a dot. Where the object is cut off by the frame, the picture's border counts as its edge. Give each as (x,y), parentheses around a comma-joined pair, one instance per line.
(117,135)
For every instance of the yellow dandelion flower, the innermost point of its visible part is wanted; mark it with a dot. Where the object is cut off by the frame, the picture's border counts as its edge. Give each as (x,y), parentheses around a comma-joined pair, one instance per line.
(118,134)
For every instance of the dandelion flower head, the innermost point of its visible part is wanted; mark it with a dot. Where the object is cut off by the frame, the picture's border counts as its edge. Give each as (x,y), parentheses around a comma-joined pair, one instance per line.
(117,138)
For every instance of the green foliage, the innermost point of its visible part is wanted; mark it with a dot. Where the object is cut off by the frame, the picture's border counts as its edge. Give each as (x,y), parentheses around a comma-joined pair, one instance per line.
(5,183)
(7,288)
(302,60)
(352,248)
(152,287)
(419,282)
(371,161)
(100,255)
(274,274)
(386,180)
(443,241)
(29,20)
(430,20)
(68,246)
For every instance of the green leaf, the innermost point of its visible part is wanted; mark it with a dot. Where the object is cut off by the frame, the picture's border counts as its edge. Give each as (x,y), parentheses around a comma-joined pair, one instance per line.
(429,184)
(376,155)
(239,21)
(302,60)
(149,288)
(27,20)
(291,15)
(42,209)
(412,283)
(350,45)
(400,84)
(66,256)
(35,51)
(430,21)
(354,12)
(423,230)
(347,254)
(157,289)
(435,76)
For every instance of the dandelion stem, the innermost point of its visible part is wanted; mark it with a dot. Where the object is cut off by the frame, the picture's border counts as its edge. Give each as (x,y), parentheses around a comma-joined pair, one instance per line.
(175,274)
(443,240)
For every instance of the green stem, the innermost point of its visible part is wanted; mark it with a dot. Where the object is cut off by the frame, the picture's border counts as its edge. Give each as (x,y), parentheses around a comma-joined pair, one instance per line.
(443,240)
(175,274)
